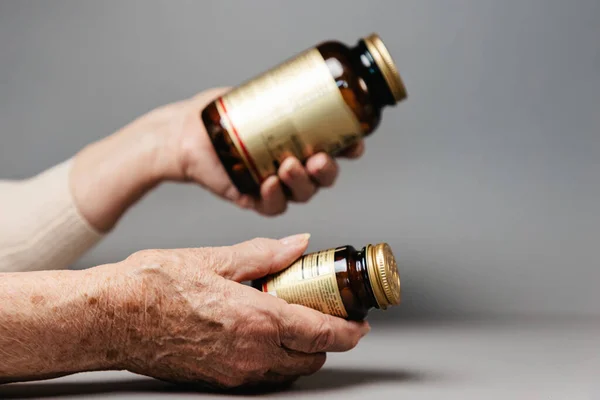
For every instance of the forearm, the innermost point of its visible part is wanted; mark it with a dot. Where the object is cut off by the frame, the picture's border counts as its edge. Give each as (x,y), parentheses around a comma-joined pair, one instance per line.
(49,221)
(54,323)
(40,224)
(110,175)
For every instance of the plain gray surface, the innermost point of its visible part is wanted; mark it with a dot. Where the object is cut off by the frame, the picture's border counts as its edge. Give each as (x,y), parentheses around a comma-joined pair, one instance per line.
(529,360)
(486,182)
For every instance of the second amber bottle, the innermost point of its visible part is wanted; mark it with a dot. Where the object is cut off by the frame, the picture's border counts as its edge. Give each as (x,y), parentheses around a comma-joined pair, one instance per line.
(324,99)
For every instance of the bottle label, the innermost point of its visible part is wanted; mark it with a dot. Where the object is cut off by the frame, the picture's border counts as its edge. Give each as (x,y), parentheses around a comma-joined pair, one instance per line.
(310,282)
(295,109)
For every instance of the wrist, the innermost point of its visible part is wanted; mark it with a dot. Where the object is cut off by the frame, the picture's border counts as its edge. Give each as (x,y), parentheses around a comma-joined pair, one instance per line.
(134,302)
(109,176)
(54,323)
(115,317)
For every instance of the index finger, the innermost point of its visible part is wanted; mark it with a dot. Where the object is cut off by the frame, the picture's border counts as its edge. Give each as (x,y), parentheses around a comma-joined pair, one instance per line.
(309,331)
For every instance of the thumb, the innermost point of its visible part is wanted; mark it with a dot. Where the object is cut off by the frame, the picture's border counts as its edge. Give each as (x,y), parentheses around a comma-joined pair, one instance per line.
(259,257)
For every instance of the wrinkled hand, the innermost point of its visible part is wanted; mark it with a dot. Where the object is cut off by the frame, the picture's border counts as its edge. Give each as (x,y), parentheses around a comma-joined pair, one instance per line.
(194,322)
(195,160)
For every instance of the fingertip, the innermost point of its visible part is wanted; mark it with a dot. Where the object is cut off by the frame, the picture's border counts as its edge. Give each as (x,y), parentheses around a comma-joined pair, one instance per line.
(269,189)
(287,250)
(364,328)
(355,151)
(323,168)
(295,177)
(291,171)
(289,166)
(318,162)
(351,332)
(268,184)
(273,200)
(296,240)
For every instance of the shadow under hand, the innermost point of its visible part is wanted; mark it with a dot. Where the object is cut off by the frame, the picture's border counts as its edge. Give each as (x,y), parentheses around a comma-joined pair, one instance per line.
(50,389)
(343,378)
(324,380)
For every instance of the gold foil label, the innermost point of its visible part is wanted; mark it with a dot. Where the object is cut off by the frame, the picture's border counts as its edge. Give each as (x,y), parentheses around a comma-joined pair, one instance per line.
(310,282)
(295,109)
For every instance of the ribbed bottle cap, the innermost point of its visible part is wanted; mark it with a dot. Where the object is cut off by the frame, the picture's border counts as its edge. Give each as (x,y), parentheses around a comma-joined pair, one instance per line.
(383,274)
(387,66)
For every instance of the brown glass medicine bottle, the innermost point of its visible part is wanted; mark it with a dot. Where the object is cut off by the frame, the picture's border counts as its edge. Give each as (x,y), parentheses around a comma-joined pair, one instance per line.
(324,99)
(343,281)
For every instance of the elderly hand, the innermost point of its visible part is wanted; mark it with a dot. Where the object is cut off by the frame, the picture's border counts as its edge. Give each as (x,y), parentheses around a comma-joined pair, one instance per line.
(177,315)
(189,319)
(171,143)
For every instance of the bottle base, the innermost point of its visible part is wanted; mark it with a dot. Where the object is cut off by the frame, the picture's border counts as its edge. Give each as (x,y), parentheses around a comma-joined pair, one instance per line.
(232,161)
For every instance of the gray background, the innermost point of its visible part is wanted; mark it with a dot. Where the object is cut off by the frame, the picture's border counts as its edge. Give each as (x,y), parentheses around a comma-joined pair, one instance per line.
(486,182)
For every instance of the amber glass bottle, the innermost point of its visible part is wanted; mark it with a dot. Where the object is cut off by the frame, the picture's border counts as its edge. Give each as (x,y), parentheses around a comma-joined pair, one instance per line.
(324,99)
(344,282)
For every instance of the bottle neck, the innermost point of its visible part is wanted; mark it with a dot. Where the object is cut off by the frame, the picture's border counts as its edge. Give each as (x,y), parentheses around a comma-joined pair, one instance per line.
(370,72)
(361,267)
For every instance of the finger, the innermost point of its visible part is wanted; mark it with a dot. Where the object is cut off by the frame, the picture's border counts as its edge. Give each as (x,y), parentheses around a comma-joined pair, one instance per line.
(354,151)
(309,331)
(246,201)
(273,201)
(323,169)
(294,363)
(202,99)
(257,258)
(294,176)
(220,183)
(218,180)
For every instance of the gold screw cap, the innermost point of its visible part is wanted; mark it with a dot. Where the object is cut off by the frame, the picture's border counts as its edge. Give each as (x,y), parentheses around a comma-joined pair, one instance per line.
(383,274)
(386,64)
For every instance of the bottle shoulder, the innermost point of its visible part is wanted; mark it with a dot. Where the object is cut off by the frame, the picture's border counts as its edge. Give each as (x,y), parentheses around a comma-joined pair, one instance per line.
(345,68)
(333,49)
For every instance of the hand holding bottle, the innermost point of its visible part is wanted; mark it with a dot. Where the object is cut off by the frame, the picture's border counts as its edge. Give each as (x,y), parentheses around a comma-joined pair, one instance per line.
(170,143)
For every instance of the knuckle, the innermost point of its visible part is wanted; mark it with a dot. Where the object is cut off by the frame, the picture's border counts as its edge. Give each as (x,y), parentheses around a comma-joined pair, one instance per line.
(138,255)
(226,260)
(255,323)
(262,247)
(325,337)
(219,261)
(145,256)
(209,257)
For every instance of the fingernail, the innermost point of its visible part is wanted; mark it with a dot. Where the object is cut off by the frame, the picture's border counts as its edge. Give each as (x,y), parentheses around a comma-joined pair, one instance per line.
(289,166)
(321,164)
(295,240)
(271,180)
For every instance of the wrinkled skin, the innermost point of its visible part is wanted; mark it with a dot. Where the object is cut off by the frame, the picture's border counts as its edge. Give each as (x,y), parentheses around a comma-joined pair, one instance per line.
(195,323)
